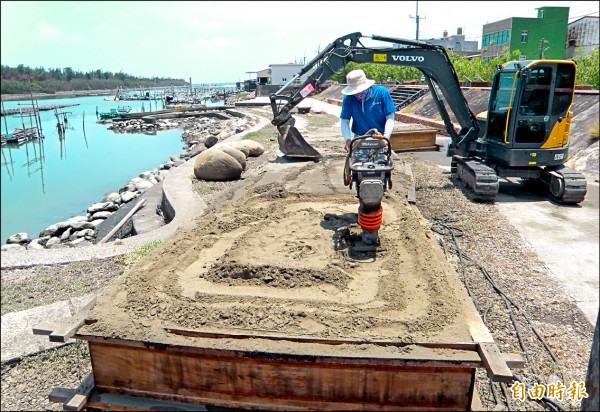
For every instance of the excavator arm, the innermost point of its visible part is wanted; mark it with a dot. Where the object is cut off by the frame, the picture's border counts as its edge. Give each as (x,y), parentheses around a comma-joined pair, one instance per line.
(431,60)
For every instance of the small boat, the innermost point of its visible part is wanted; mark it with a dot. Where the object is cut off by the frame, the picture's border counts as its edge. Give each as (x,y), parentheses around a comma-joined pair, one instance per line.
(110,115)
(117,96)
(20,136)
(123,109)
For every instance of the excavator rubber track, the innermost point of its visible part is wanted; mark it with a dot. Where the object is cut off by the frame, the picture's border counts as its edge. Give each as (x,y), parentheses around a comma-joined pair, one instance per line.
(481,181)
(565,186)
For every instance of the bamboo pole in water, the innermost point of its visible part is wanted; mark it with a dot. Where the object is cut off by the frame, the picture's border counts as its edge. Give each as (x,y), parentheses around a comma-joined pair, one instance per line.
(5,124)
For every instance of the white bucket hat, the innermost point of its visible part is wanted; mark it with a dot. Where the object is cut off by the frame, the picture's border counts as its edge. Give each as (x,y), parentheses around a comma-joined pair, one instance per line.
(357,82)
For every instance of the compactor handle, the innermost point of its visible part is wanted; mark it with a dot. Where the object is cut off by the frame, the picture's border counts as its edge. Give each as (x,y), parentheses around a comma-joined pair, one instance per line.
(374,133)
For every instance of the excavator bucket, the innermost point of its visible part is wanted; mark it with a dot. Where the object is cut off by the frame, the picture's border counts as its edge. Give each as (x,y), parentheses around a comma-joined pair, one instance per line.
(291,142)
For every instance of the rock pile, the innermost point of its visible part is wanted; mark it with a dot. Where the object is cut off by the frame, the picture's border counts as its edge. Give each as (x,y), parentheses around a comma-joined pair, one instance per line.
(143,125)
(81,230)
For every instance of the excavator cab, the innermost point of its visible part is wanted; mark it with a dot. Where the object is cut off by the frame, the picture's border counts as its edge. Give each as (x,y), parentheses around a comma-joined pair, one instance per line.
(528,114)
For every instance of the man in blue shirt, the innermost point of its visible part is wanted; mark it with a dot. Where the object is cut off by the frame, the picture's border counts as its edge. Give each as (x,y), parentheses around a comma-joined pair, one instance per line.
(368,105)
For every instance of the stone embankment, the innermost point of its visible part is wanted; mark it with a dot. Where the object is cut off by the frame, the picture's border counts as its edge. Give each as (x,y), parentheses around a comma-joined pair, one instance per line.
(198,135)
(139,126)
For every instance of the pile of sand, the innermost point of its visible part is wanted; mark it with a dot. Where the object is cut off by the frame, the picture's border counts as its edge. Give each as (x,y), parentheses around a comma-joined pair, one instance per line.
(284,258)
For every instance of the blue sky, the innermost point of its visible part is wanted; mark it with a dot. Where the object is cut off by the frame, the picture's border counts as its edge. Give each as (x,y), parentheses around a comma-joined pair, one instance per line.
(222,41)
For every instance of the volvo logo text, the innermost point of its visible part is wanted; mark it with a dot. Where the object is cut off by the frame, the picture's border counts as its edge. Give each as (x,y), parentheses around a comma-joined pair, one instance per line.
(408,58)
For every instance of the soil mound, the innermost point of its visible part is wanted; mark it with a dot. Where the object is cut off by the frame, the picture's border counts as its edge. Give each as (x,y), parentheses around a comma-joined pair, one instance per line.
(290,264)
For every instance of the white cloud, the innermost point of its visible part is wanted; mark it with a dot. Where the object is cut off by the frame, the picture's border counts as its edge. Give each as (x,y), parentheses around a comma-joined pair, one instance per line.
(215,42)
(46,30)
(224,42)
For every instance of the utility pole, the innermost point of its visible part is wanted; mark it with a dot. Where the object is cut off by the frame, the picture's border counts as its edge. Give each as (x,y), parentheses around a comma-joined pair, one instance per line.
(542,50)
(417,18)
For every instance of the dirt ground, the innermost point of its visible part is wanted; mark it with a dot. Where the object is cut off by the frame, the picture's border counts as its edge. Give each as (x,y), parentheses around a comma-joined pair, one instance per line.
(281,255)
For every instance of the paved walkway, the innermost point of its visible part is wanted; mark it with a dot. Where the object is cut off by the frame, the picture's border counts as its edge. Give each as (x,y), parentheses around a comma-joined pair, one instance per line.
(18,339)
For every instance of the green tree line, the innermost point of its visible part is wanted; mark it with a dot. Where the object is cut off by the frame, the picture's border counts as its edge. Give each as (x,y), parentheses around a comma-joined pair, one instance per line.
(23,79)
(473,69)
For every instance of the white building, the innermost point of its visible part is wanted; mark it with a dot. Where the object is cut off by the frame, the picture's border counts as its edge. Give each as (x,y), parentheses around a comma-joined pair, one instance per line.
(456,43)
(582,32)
(280,74)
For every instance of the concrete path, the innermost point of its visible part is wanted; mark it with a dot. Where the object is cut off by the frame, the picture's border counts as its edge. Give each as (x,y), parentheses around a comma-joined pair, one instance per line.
(18,339)
(565,237)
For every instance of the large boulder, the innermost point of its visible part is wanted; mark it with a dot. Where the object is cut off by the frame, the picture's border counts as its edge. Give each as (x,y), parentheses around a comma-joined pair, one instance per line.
(214,164)
(82,225)
(255,149)
(211,141)
(97,207)
(19,239)
(35,244)
(235,153)
(112,197)
(128,196)
(244,149)
(196,150)
(101,215)
(144,185)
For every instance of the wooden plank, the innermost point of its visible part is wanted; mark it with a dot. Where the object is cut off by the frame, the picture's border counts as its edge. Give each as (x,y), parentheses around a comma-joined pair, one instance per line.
(494,362)
(63,332)
(304,339)
(215,401)
(274,383)
(77,402)
(61,395)
(434,148)
(114,402)
(403,139)
(44,328)
(411,196)
(476,404)
(48,328)
(467,358)
(514,360)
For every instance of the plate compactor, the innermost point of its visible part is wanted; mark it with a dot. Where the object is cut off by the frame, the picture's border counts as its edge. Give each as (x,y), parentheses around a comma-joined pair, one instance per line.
(369,168)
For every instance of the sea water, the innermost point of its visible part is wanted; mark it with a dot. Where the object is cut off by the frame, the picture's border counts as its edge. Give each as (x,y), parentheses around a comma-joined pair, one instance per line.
(50,180)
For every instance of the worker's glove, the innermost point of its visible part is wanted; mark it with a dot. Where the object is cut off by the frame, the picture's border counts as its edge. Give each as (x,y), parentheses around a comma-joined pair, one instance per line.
(347,145)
